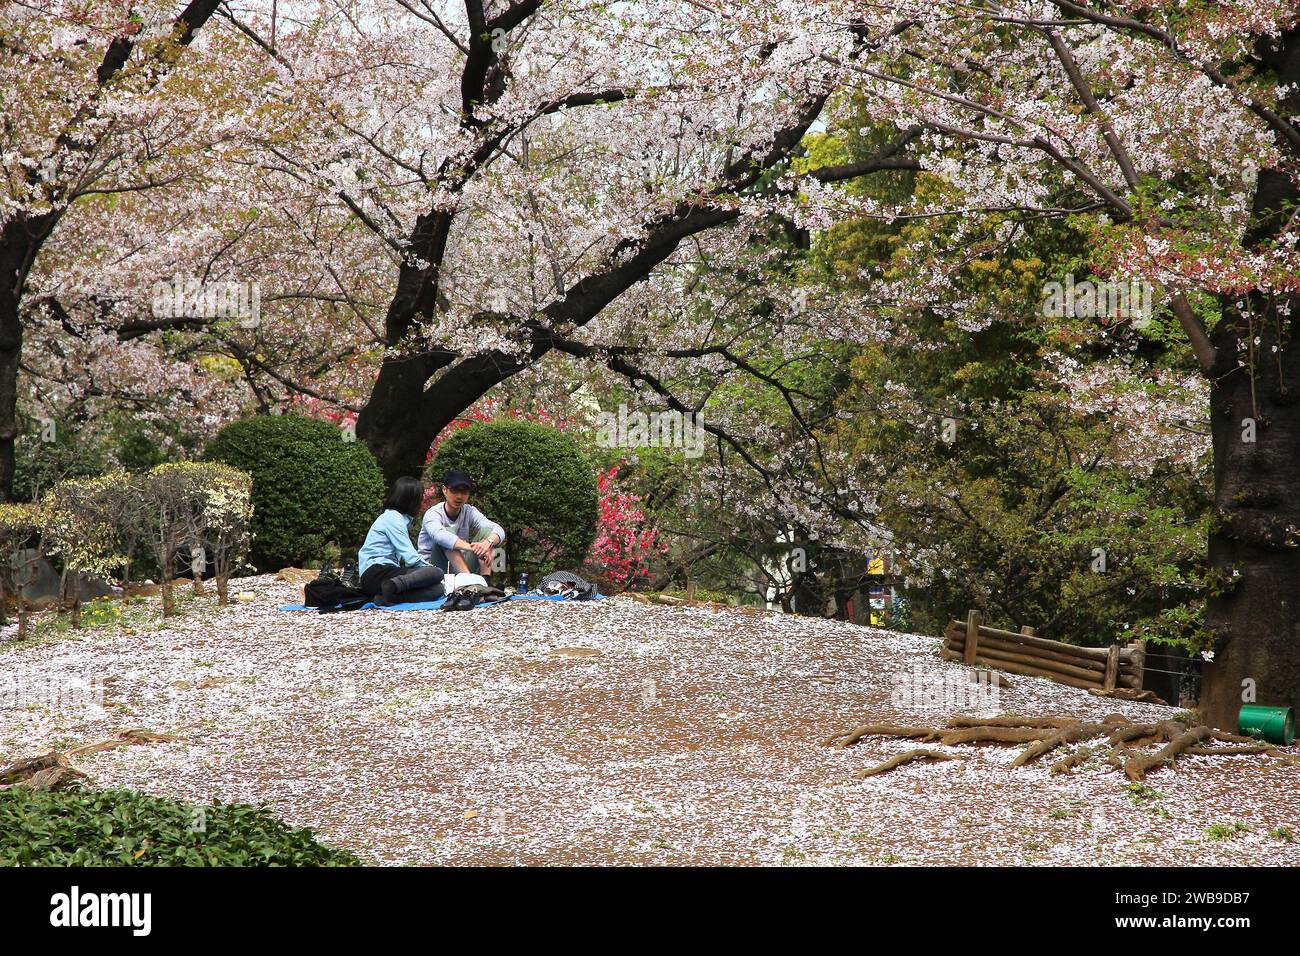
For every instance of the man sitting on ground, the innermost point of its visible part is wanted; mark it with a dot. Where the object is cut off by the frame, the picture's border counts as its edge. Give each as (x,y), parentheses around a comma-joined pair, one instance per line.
(452,535)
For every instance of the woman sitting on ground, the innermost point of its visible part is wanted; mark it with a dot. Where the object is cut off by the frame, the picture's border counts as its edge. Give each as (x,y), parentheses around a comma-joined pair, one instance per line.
(389,564)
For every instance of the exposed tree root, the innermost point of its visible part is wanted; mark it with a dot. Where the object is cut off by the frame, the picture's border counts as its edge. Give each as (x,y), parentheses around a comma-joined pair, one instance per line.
(1066,735)
(46,772)
(1251,745)
(1066,764)
(1228,738)
(849,738)
(1228,751)
(903,758)
(1044,735)
(960,730)
(1137,766)
(53,770)
(1135,735)
(1131,732)
(1012,721)
(1002,735)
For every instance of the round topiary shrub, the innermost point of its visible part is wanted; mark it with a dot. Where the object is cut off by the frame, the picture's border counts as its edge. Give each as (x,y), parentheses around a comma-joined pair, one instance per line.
(535,482)
(310,486)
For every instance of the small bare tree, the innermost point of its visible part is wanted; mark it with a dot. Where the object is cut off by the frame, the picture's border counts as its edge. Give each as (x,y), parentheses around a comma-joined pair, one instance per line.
(222,520)
(125,509)
(82,527)
(168,521)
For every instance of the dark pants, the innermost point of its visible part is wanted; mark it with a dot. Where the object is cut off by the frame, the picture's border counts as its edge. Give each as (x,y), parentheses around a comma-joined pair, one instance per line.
(372,582)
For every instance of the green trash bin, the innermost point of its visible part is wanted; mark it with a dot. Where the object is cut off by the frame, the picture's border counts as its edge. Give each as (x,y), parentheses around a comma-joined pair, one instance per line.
(1274,724)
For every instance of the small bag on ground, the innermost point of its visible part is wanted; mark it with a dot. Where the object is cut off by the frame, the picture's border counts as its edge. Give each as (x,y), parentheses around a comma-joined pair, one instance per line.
(567,584)
(329,593)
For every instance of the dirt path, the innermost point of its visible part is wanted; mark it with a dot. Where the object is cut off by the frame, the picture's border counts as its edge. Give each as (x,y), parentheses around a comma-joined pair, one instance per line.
(609,732)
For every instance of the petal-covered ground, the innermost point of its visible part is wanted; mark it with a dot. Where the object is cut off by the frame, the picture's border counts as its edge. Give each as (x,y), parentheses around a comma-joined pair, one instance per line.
(608,732)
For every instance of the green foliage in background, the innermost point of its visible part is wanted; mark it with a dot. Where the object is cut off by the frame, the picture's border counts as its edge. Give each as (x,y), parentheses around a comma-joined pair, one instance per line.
(310,486)
(1012,516)
(48,451)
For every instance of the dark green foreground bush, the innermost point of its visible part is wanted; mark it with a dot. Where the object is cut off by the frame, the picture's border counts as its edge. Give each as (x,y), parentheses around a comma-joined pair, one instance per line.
(82,827)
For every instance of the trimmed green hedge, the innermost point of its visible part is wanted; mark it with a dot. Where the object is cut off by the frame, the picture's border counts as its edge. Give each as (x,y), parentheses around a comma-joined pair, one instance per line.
(82,827)
(310,486)
(535,482)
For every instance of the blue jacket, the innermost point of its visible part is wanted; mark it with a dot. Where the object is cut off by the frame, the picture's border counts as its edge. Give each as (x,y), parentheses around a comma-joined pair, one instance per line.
(389,542)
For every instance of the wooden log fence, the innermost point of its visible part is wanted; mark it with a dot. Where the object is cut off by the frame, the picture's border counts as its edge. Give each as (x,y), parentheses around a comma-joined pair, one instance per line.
(1023,652)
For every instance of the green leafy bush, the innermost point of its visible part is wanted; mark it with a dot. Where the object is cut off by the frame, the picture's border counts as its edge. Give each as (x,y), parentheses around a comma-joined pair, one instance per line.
(310,486)
(82,827)
(535,482)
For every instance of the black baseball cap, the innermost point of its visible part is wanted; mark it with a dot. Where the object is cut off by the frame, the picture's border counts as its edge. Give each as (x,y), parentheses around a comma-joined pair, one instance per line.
(455,478)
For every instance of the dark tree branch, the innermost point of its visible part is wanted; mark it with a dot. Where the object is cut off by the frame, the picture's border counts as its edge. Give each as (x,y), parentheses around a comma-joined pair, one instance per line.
(887,158)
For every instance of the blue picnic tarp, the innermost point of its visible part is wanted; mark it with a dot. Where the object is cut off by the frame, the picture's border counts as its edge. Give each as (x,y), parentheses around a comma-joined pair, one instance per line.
(435,605)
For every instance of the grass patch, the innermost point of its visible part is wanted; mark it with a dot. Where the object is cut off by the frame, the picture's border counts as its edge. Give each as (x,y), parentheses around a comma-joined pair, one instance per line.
(1148,798)
(141,611)
(126,615)
(1226,831)
(1141,793)
(84,827)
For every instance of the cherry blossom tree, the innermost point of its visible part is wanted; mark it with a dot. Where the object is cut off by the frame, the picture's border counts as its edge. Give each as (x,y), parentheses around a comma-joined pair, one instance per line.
(84,79)
(521,168)
(1173,129)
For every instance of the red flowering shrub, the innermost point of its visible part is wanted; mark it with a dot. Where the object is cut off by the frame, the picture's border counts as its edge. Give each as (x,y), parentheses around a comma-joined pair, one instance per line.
(624,544)
(311,407)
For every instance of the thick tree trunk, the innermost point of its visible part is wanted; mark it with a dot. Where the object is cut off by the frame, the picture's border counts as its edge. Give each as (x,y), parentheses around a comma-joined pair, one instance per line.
(15,259)
(11,346)
(404,414)
(1253,609)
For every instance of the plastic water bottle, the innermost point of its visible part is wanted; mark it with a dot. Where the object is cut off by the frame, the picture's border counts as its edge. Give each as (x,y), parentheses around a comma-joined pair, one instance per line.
(523,584)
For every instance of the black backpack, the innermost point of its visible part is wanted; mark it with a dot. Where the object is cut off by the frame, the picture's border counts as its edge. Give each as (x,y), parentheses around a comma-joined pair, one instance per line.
(329,593)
